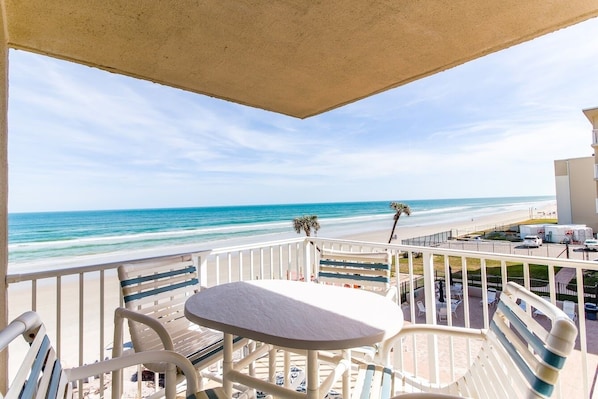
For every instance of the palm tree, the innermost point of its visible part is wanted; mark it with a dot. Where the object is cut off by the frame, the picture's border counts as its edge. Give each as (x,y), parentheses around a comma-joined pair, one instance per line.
(306,223)
(400,208)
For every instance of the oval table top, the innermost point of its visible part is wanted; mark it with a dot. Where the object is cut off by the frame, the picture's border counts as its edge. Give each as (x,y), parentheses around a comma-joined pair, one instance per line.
(300,315)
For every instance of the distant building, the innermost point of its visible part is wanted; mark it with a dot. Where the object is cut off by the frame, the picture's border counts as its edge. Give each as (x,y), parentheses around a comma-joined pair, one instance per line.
(576,182)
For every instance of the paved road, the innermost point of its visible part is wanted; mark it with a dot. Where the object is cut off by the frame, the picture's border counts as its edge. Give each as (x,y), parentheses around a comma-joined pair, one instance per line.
(546,250)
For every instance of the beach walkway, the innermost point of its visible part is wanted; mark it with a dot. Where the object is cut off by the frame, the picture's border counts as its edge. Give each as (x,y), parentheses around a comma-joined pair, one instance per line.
(564,275)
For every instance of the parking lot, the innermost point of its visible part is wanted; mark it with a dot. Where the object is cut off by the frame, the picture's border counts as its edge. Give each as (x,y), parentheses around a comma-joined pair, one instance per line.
(551,250)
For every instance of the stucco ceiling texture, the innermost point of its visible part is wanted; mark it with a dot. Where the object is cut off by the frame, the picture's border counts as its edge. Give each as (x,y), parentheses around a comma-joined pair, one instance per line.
(295,57)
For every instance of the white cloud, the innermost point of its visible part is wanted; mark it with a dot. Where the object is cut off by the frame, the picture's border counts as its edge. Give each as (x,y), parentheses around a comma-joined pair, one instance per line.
(81,138)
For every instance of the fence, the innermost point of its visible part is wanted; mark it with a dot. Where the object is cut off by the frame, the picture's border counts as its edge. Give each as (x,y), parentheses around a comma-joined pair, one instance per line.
(429,240)
(538,286)
(406,287)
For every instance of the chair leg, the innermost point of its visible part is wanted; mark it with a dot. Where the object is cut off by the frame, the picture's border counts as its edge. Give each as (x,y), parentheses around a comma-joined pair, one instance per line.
(272,365)
(169,382)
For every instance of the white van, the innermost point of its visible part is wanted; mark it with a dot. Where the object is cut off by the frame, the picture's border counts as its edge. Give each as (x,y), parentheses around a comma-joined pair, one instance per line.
(532,241)
(591,244)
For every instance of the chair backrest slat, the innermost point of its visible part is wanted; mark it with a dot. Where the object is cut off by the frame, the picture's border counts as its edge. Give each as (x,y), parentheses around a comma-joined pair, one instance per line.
(152,277)
(158,291)
(537,384)
(373,382)
(58,381)
(368,270)
(31,385)
(40,374)
(520,342)
(358,265)
(146,281)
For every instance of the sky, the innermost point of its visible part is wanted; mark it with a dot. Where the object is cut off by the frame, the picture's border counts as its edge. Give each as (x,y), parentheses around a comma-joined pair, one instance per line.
(81,138)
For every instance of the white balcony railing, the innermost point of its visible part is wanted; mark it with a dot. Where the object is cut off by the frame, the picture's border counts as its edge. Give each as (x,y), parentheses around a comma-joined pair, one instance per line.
(77,304)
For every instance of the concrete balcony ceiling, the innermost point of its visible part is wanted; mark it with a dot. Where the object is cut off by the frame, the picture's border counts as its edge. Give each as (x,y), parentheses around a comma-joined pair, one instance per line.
(295,57)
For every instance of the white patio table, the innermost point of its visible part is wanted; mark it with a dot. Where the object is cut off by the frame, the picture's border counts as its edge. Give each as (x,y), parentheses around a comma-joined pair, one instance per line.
(295,315)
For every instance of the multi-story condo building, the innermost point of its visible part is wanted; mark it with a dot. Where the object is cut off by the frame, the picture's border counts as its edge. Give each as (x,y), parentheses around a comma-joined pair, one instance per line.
(576,182)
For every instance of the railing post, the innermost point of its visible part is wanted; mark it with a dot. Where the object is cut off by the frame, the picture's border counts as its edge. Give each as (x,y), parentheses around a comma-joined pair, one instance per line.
(200,260)
(430,295)
(308,269)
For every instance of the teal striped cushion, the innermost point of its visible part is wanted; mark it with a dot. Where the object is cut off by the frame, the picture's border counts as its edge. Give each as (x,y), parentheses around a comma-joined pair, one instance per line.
(214,393)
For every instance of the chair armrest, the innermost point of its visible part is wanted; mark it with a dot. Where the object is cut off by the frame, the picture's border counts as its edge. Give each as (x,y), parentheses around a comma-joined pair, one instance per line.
(121,313)
(119,363)
(388,344)
(25,322)
(440,329)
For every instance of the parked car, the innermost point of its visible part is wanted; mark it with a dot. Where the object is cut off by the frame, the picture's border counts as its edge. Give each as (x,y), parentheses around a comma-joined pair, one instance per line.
(532,241)
(591,244)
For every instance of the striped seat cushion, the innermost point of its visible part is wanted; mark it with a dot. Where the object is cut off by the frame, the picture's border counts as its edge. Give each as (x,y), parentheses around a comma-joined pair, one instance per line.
(213,393)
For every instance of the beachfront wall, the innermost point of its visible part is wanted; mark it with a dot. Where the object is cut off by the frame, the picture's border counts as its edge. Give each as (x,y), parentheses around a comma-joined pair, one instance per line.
(77,304)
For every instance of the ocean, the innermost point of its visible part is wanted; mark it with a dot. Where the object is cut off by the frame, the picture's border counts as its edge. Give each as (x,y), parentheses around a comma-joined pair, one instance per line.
(48,235)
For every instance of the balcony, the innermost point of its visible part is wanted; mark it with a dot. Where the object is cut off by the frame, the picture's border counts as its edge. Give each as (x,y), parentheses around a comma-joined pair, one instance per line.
(77,303)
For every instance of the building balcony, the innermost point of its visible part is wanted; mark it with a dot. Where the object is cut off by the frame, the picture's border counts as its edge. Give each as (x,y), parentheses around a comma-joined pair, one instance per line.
(77,303)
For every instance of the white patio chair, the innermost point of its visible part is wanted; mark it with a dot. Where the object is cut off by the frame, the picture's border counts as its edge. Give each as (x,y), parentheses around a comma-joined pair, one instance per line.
(490,297)
(455,306)
(364,270)
(457,291)
(518,357)
(569,309)
(442,313)
(421,309)
(358,270)
(41,374)
(154,294)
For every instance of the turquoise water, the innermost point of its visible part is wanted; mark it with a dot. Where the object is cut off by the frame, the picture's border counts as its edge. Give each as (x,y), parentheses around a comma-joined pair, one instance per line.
(35,236)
